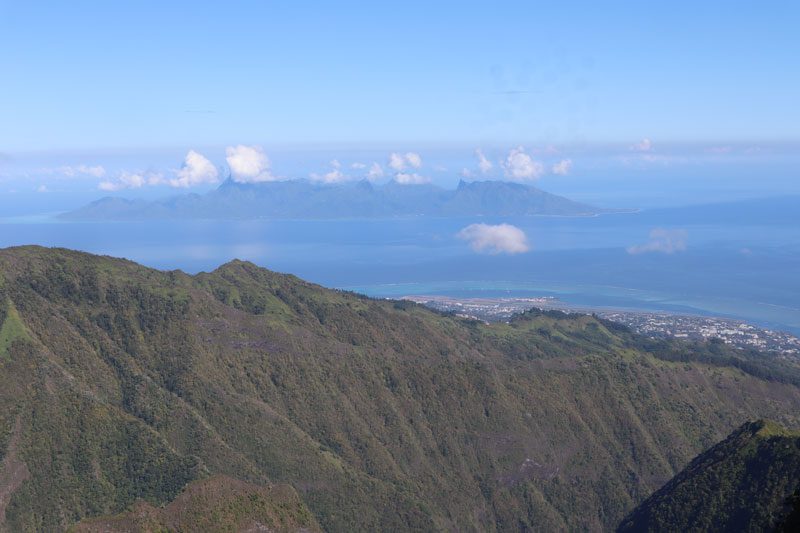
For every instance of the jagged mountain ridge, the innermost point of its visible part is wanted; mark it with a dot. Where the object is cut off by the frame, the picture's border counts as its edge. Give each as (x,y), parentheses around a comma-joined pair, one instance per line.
(305,199)
(121,383)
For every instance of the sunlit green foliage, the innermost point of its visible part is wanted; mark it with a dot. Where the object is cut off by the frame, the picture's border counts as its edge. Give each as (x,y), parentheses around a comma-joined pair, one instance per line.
(382,415)
(11,328)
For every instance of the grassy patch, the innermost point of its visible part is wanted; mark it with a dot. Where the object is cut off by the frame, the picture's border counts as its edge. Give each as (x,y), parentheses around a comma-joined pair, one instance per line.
(12,329)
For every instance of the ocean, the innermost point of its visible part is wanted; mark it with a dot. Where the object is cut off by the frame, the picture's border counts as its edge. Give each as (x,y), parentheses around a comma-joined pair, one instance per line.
(747,269)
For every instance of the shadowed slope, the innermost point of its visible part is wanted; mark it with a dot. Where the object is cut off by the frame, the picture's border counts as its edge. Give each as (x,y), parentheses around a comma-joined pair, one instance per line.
(744,483)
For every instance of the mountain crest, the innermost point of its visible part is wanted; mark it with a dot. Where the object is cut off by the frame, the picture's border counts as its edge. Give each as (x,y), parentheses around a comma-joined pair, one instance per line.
(747,482)
(301,198)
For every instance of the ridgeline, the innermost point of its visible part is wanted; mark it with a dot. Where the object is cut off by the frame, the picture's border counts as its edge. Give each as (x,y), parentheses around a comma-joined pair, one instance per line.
(122,387)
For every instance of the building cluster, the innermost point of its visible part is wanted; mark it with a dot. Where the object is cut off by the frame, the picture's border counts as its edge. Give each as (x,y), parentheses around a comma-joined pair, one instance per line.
(657,325)
(733,332)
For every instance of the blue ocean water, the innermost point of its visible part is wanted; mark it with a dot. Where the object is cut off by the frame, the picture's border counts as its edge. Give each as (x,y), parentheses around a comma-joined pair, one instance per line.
(745,269)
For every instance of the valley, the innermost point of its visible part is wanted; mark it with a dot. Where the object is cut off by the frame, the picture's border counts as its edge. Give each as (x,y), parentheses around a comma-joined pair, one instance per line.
(134,382)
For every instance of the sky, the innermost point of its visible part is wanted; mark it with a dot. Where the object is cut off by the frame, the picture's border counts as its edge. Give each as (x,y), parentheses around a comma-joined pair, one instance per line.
(96,96)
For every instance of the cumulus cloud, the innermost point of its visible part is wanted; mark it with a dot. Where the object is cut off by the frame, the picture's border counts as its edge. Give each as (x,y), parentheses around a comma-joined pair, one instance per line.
(466,173)
(414,159)
(96,171)
(484,164)
(248,164)
(404,178)
(642,146)
(358,166)
(196,170)
(400,162)
(495,239)
(375,172)
(662,240)
(334,176)
(131,180)
(519,166)
(563,167)
(397,162)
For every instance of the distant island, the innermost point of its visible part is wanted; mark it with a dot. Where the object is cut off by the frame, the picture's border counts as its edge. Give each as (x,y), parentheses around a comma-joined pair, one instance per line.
(300,198)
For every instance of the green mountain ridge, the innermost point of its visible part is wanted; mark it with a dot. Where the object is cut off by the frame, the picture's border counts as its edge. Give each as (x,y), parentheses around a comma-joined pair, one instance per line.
(130,383)
(748,482)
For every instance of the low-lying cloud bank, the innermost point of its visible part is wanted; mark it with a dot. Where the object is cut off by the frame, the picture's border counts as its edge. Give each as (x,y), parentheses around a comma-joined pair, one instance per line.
(131,180)
(495,239)
(665,241)
(250,164)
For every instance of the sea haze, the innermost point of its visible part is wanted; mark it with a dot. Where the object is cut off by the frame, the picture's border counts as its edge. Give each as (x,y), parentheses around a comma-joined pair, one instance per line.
(738,260)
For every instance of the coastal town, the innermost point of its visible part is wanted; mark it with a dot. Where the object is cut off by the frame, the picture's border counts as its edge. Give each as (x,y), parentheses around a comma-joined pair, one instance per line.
(652,324)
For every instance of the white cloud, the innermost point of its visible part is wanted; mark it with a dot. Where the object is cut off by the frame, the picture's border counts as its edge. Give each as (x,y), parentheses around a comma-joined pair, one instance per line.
(96,171)
(249,164)
(466,173)
(667,241)
(414,159)
(519,166)
(484,164)
(645,145)
(375,172)
(42,188)
(404,178)
(334,176)
(495,239)
(358,166)
(131,180)
(563,167)
(399,162)
(196,170)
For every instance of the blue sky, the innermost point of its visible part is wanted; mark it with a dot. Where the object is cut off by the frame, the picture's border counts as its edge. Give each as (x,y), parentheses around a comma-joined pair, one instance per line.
(132,74)
(133,86)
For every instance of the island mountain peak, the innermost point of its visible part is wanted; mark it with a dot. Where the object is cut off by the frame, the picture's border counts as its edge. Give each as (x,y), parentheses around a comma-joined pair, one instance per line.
(302,198)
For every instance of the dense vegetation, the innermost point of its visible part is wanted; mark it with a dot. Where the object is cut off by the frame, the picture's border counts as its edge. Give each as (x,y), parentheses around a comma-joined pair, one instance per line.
(217,503)
(121,383)
(748,482)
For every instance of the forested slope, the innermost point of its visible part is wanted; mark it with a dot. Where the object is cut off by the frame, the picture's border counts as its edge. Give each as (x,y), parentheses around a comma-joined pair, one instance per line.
(121,383)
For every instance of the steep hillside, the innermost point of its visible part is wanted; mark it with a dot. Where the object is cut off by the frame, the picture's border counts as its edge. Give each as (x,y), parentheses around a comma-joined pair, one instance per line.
(219,503)
(121,383)
(744,483)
